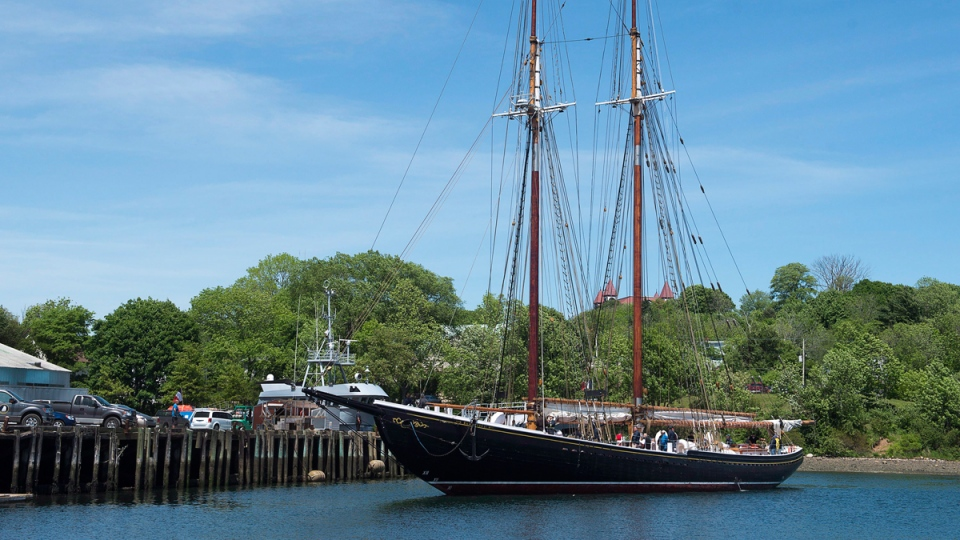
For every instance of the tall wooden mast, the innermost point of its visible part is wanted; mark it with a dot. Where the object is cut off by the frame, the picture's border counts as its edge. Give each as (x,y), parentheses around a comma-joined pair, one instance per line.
(533,110)
(637,111)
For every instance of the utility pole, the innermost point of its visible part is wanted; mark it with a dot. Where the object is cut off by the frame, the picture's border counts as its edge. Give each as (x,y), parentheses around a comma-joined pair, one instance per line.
(803,362)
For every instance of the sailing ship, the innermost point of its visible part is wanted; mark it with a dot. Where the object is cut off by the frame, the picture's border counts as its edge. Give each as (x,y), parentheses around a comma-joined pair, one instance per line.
(474,450)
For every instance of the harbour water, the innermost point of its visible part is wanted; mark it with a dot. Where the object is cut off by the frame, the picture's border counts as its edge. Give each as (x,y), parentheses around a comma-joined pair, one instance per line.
(808,505)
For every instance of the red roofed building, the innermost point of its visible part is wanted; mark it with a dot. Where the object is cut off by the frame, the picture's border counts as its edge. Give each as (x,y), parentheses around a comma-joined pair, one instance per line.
(610,293)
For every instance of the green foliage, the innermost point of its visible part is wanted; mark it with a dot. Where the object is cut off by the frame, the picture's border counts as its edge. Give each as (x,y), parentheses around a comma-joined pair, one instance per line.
(905,445)
(835,391)
(366,289)
(131,350)
(273,274)
(12,334)
(829,307)
(703,300)
(915,345)
(792,284)
(935,298)
(936,391)
(895,303)
(757,305)
(759,348)
(57,330)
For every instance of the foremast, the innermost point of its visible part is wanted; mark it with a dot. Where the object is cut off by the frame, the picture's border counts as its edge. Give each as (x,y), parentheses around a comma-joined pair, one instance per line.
(535,110)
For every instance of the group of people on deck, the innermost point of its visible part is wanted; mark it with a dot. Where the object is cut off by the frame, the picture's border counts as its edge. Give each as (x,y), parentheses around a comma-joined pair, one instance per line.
(641,439)
(668,441)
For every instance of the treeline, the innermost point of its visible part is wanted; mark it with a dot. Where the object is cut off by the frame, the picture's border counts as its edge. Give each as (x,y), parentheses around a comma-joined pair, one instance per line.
(218,351)
(879,373)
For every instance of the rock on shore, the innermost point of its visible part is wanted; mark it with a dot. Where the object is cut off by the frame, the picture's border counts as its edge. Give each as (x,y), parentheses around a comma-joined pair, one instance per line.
(881,465)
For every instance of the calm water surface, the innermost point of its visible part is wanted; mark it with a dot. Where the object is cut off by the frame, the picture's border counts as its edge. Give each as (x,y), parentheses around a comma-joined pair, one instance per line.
(809,505)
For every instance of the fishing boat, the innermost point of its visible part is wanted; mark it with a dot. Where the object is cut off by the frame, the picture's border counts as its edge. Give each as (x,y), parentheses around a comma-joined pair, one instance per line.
(548,445)
(282,401)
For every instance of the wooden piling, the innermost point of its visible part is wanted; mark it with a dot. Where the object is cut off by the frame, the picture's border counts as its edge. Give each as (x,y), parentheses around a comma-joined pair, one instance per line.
(56,466)
(213,440)
(113,464)
(200,444)
(139,461)
(31,465)
(14,481)
(95,481)
(228,466)
(282,461)
(242,464)
(73,482)
(271,438)
(182,477)
(166,460)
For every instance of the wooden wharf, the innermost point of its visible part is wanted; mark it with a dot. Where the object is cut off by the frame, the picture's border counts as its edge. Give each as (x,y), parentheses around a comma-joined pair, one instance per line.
(92,459)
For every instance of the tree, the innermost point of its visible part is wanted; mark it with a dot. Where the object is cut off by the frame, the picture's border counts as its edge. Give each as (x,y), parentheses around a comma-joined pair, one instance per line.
(759,348)
(131,350)
(835,390)
(792,283)
(12,333)
(895,303)
(273,273)
(916,345)
(839,272)
(57,330)
(703,300)
(403,351)
(365,284)
(757,304)
(937,393)
(935,298)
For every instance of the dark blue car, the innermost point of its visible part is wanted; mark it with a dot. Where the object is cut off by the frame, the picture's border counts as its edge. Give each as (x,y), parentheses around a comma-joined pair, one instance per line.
(63,419)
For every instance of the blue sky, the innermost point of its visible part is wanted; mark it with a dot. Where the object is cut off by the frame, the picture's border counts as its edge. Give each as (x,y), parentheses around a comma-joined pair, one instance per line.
(157,149)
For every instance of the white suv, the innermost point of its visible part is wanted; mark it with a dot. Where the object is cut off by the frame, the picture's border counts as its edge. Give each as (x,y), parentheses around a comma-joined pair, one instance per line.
(210,419)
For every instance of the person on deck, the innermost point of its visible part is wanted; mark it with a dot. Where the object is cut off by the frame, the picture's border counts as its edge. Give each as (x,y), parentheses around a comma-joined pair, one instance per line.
(647,441)
(775,445)
(729,441)
(663,441)
(672,438)
(636,438)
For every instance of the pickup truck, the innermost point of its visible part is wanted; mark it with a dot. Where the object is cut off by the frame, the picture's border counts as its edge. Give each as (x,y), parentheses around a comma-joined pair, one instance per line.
(93,410)
(23,412)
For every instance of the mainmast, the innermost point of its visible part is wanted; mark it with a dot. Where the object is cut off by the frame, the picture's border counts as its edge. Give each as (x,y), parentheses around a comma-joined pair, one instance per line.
(637,102)
(637,112)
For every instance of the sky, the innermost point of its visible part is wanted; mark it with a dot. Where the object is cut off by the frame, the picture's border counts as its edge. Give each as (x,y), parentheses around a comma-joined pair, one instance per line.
(155,149)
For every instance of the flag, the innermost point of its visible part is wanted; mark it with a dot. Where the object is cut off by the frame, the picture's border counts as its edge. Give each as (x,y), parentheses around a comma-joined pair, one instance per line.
(179,397)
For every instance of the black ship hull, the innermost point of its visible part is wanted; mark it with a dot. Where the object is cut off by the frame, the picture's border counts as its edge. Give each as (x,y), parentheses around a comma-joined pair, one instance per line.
(460,457)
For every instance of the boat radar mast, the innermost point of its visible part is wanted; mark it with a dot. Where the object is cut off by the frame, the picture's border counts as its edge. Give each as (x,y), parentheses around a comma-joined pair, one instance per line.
(327,356)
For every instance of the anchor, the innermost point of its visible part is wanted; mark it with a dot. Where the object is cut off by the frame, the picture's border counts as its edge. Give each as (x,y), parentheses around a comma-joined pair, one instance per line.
(473,443)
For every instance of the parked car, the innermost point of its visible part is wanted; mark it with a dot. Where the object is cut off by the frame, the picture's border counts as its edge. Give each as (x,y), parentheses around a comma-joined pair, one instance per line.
(758,388)
(63,419)
(165,418)
(23,412)
(211,419)
(93,410)
(143,420)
